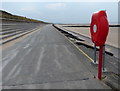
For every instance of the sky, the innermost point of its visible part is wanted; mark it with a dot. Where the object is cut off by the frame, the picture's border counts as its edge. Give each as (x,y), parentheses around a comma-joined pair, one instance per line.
(62,12)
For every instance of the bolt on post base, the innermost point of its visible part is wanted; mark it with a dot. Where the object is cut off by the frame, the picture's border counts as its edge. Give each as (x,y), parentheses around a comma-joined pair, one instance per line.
(104,70)
(95,62)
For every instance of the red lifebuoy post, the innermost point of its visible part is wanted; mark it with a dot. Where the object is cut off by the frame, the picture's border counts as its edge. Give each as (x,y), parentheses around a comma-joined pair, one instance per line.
(99,30)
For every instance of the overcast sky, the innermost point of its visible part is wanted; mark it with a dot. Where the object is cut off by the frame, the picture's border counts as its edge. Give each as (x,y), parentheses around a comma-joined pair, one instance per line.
(62,12)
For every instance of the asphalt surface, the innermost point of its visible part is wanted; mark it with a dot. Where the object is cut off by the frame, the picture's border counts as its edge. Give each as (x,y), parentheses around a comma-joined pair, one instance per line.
(46,60)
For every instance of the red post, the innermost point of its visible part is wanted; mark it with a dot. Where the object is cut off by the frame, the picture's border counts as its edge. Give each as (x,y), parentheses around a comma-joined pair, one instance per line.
(100,63)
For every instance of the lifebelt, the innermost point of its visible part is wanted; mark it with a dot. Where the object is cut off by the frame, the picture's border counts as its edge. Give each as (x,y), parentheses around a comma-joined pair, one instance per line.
(99,28)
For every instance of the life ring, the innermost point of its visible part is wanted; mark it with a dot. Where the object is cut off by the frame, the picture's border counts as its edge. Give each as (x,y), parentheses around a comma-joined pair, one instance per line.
(99,28)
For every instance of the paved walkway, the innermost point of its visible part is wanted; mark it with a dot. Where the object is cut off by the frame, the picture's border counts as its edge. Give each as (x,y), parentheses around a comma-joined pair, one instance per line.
(46,60)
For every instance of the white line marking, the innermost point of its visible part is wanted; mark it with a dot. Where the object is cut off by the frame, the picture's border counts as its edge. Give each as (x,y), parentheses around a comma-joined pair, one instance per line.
(28,51)
(12,71)
(8,60)
(56,58)
(40,60)
(27,46)
(58,64)
(17,73)
(9,55)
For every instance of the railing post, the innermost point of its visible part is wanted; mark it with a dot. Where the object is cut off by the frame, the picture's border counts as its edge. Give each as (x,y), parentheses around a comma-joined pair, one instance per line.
(100,63)
(95,61)
(104,61)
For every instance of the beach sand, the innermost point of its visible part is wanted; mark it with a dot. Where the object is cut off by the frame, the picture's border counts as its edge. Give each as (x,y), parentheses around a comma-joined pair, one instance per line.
(112,38)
